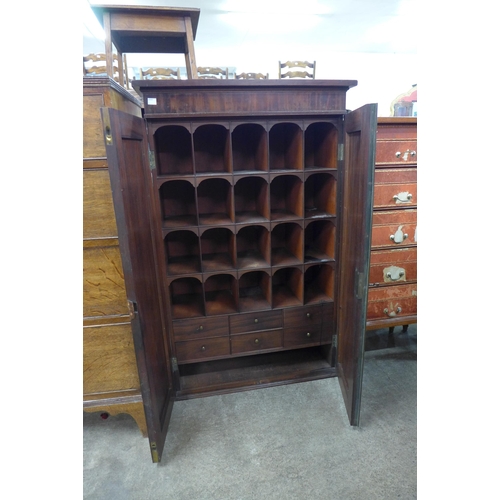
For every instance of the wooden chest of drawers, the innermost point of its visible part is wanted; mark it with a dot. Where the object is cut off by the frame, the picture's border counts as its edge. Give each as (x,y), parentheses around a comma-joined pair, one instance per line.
(110,379)
(392,294)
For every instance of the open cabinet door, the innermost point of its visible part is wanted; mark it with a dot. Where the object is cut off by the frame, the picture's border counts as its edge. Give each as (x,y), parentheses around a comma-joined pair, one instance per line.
(128,160)
(356,223)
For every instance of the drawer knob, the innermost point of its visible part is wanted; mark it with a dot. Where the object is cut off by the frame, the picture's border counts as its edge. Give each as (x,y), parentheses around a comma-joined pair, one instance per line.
(203,348)
(392,313)
(200,327)
(308,315)
(255,320)
(403,197)
(399,236)
(308,334)
(256,341)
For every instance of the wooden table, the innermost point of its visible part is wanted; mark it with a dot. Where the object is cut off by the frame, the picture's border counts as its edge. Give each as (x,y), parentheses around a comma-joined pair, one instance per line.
(148,29)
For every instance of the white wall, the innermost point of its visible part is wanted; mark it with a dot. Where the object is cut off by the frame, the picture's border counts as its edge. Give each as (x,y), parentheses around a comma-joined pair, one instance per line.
(381,77)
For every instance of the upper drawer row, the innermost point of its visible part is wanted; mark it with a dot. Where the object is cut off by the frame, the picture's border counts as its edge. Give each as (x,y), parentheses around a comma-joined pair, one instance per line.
(396,151)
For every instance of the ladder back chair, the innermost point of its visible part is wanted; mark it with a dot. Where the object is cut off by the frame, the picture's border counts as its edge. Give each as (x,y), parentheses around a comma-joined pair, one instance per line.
(213,73)
(252,76)
(297,69)
(160,73)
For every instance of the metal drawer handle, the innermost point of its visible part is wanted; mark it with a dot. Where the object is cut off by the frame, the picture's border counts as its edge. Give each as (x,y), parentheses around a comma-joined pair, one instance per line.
(200,327)
(399,236)
(308,334)
(255,320)
(401,274)
(203,348)
(308,315)
(403,197)
(392,313)
(256,341)
(406,153)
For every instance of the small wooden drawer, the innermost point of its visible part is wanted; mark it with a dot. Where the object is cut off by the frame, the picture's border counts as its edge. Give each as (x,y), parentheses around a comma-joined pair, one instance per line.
(392,301)
(194,350)
(394,265)
(303,317)
(394,228)
(266,320)
(397,151)
(395,187)
(201,328)
(257,341)
(302,336)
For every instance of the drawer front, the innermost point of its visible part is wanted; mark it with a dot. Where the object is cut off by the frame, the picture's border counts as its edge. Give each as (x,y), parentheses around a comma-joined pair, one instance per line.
(195,350)
(98,211)
(200,328)
(103,282)
(109,362)
(265,320)
(257,341)
(303,317)
(391,301)
(302,336)
(396,152)
(395,187)
(395,265)
(394,228)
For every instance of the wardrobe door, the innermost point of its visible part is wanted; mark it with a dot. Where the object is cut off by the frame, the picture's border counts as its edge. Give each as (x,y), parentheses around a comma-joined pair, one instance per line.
(128,158)
(354,258)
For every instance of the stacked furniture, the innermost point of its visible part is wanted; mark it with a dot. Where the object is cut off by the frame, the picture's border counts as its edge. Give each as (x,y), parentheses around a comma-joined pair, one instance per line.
(244,214)
(392,297)
(110,379)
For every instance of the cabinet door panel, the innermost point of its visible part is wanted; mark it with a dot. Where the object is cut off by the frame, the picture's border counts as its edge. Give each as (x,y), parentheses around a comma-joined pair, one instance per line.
(354,258)
(128,158)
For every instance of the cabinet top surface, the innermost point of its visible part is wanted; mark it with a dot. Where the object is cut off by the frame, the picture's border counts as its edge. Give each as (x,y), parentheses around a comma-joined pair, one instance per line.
(145,85)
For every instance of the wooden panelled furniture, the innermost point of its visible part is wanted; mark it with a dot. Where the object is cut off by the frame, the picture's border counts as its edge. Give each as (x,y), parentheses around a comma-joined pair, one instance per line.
(149,30)
(110,378)
(392,296)
(244,215)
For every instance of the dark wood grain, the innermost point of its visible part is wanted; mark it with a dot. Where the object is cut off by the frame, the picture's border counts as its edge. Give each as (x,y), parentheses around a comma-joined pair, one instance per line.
(357,204)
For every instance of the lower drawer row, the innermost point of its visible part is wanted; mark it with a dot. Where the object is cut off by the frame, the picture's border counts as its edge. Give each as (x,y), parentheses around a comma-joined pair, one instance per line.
(391,301)
(252,333)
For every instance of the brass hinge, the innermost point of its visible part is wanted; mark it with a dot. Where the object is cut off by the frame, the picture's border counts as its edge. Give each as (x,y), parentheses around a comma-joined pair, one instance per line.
(341,152)
(154,452)
(152,162)
(175,366)
(108,138)
(334,341)
(132,309)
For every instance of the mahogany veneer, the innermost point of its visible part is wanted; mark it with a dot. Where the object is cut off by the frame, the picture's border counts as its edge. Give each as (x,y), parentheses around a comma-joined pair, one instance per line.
(246,211)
